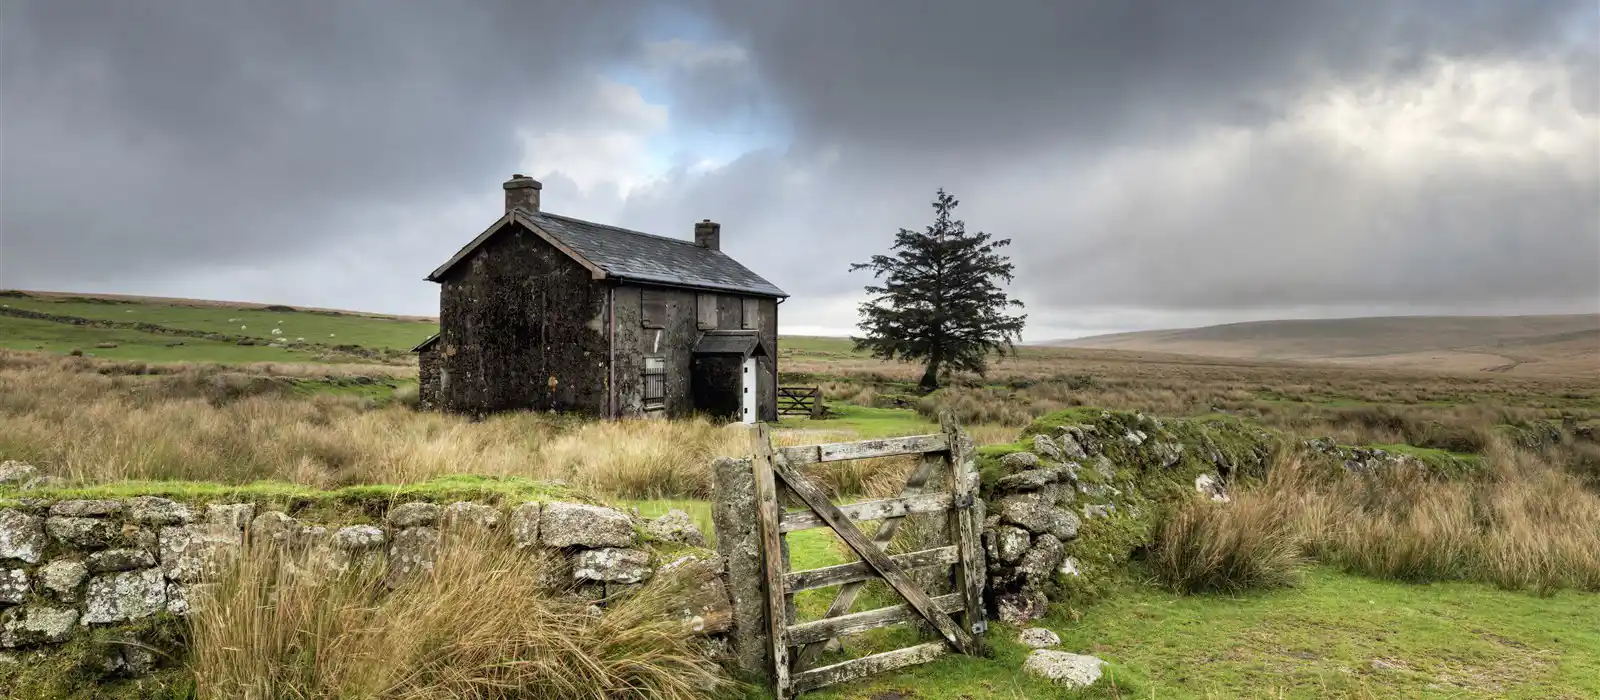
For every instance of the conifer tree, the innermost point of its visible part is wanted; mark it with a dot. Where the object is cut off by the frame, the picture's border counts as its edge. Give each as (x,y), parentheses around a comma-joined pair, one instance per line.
(938,299)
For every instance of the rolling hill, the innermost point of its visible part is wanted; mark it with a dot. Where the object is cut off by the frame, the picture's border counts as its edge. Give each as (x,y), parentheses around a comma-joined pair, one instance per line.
(1567,345)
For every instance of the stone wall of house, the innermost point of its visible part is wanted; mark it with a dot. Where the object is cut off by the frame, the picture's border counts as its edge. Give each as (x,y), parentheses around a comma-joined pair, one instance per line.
(1081,492)
(71,568)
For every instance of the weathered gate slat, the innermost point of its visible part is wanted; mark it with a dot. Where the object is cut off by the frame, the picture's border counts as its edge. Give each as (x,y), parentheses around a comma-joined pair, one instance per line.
(772,545)
(963,525)
(868,511)
(848,593)
(859,571)
(864,449)
(855,623)
(872,555)
(868,665)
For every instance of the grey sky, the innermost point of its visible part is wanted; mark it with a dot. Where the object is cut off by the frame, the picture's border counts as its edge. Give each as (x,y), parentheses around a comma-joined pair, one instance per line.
(1156,164)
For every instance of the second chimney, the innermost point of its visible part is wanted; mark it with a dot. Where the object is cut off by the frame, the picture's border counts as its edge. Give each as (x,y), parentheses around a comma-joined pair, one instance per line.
(708,234)
(522,192)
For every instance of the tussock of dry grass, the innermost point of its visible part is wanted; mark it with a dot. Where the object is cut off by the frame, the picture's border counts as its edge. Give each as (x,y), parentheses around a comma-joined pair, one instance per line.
(91,427)
(480,626)
(1204,546)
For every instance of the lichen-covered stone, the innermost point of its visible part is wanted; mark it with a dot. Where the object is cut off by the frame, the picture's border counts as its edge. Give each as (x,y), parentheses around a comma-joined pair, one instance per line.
(1064,669)
(579,525)
(1098,510)
(414,515)
(13,586)
(118,560)
(62,577)
(1031,480)
(36,624)
(273,527)
(84,509)
(1021,607)
(152,510)
(1042,559)
(525,525)
(1036,512)
(611,565)
(1046,448)
(358,537)
(1070,439)
(676,526)
(1020,461)
(86,533)
(192,553)
(412,551)
(1103,466)
(469,514)
(234,515)
(14,473)
(1069,567)
(1211,487)
(1169,453)
(1010,543)
(123,596)
(22,536)
(1038,638)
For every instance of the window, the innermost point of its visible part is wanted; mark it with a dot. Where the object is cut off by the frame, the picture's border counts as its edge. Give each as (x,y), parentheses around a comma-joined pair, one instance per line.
(752,313)
(653,308)
(706,311)
(655,383)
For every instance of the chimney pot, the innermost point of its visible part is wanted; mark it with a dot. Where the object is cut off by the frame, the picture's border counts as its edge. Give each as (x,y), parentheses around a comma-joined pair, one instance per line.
(708,234)
(522,192)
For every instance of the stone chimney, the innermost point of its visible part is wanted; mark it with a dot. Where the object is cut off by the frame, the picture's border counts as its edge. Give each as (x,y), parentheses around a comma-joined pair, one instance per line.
(708,234)
(522,192)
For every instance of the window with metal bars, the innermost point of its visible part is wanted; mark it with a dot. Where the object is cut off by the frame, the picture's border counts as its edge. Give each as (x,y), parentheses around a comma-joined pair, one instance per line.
(655,383)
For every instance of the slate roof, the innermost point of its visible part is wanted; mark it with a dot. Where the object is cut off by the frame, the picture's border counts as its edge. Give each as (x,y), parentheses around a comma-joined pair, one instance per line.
(639,257)
(729,343)
(424,345)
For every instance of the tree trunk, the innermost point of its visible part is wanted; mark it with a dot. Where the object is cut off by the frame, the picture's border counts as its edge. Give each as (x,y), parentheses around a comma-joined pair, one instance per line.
(930,376)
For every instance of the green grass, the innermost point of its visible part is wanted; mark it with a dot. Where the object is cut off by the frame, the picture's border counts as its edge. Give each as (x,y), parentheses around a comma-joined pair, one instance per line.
(866,422)
(819,346)
(1335,636)
(62,338)
(315,326)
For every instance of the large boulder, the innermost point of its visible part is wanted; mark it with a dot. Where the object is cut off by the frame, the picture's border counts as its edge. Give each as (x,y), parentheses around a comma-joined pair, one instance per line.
(123,596)
(611,565)
(1062,668)
(676,526)
(21,536)
(36,624)
(578,525)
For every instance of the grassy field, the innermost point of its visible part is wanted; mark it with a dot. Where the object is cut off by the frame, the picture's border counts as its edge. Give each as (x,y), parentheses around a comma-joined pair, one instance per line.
(1417,587)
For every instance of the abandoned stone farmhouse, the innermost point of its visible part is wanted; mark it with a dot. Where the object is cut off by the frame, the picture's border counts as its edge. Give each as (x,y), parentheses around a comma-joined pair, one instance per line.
(547,312)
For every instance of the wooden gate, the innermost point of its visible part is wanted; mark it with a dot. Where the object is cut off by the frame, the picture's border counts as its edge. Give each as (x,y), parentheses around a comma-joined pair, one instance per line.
(800,401)
(778,478)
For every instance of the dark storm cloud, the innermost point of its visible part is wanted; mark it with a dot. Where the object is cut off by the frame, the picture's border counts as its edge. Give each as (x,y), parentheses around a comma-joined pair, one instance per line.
(151,137)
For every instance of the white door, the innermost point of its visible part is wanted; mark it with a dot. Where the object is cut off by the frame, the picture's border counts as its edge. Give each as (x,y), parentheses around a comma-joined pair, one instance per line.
(748,386)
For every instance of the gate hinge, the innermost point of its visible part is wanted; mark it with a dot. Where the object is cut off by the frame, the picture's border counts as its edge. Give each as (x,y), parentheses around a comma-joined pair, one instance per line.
(965,501)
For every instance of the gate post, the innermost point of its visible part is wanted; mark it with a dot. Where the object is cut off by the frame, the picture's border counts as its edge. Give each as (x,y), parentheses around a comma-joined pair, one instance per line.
(733,507)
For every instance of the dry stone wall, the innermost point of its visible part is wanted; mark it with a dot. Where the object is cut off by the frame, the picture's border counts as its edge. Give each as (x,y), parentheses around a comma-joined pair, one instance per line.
(72,567)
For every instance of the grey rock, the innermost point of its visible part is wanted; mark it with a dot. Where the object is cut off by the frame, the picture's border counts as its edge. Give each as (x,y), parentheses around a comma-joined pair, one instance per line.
(87,533)
(274,527)
(412,551)
(469,514)
(1062,668)
(1098,510)
(1011,543)
(1022,607)
(1069,567)
(118,560)
(14,473)
(62,577)
(578,525)
(1068,441)
(1103,466)
(82,509)
(192,553)
(525,525)
(151,510)
(1029,480)
(1168,452)
(358,538)
(738,544)
(136,659)
(234,515)
(611,565)
(1211,487)
(21,536)
(1020,461)
(13,586)
(676,526)
(36,624)
(1134,437)
(123,596)
(1036,513)
(1043,558)
(42,481)
(414,515)
(1047,448)
(1038,638)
